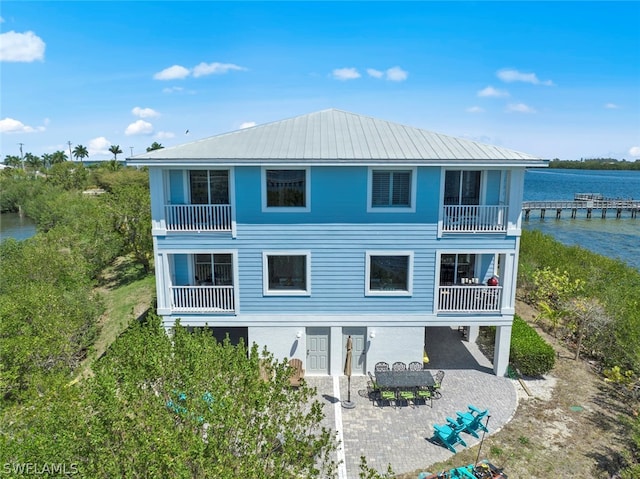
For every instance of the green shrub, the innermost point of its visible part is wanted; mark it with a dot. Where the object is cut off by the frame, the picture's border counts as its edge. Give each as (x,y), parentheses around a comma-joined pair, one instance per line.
(531,354)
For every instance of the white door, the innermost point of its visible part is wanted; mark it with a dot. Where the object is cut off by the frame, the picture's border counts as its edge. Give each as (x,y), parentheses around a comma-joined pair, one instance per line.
(317,351)
(358,351)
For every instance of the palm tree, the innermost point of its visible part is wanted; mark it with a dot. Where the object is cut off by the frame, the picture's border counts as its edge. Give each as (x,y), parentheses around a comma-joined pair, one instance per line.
(81,152)
(58,157)
(115,149)
(155,146)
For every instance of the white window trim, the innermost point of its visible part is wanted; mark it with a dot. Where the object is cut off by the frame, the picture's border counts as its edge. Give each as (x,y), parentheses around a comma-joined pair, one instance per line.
(286,209)
(367,280)
(280,292)
(391,209)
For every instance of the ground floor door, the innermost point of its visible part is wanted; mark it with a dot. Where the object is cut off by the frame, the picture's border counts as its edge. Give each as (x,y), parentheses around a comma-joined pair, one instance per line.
(358,351)
(317,351)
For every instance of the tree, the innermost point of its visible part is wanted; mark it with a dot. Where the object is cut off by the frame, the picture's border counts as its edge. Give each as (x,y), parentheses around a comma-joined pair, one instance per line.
(13,161)
(115,149)
(180,406)
(58,157)
(154,146)
(80,152)
(32,161)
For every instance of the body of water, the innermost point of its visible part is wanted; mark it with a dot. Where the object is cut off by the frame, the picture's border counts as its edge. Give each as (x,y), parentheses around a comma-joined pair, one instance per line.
(12,225)
(615,238)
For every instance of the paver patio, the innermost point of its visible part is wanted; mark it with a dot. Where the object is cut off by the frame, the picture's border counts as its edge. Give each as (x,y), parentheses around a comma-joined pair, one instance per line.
(401,435)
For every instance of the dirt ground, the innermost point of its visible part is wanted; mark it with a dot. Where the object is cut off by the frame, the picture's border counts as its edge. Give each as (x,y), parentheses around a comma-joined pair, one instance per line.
(571,426)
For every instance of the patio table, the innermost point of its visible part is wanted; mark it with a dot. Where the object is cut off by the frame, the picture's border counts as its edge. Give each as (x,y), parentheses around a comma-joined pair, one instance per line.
(404,379)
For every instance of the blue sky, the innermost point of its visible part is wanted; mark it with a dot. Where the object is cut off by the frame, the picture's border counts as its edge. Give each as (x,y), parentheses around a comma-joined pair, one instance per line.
(553,79)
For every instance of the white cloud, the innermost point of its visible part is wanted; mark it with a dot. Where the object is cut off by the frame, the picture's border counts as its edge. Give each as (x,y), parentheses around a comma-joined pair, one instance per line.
(475,109)
(345,74)
(165,135)
(99,146)
(215,68)
(520,108)
(611,106)
(21,47)
(175,72)
(247,124)
(510,76)
(9,125)
(635,151)
(139,127)
(396,74)
(172,89)
(492,92)
(144,112)
(372,72)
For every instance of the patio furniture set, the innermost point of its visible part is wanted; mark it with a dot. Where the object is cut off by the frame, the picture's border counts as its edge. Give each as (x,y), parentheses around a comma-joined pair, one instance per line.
(400,383)
(468,421)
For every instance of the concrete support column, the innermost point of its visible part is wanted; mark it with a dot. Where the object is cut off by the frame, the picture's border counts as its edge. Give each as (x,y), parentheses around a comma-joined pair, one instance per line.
(501,353)
(472,333)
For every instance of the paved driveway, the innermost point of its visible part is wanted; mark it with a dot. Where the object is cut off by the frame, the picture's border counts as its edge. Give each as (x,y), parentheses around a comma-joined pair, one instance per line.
(401,436)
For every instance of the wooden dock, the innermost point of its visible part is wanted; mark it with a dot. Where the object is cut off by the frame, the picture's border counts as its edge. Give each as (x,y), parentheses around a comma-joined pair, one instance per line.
(587,202)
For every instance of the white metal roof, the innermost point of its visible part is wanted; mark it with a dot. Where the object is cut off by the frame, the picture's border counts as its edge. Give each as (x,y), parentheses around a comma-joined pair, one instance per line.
(334,136)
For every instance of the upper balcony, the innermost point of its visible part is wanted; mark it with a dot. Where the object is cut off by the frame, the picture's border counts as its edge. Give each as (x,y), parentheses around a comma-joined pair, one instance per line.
(197,218)
(474,219)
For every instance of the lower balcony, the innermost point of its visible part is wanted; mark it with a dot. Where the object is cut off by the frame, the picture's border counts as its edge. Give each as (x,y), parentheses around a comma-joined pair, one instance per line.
(202,299)
(469,299)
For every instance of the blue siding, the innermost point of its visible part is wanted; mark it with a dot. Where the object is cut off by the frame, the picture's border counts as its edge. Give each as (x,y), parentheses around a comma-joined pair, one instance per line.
(176,185)
(181,269)
(337,263)
(493,187)
(338,195)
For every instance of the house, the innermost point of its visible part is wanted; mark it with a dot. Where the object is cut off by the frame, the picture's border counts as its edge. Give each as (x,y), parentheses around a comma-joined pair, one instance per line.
(298,233)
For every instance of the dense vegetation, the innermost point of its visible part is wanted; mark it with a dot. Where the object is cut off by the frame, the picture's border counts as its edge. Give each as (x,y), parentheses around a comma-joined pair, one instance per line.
(596,164)
(153,405)
(116,422)
(531,354)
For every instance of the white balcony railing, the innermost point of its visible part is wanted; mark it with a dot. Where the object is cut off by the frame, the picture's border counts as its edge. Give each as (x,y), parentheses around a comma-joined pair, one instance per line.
(197,299)
(198,217)
(474,219)
(469,298)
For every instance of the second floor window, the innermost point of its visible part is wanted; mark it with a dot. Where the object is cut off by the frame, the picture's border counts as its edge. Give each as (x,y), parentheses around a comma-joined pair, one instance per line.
(391,188)
(286,188)
(389,273)
(286,273)
(209,187)
(462,187)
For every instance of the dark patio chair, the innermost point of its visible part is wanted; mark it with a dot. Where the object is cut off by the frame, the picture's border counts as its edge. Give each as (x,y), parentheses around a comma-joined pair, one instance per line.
(448,435)
(415,366)
(407,394)
(399,366)
(373,390)
(424,394)
(381,366)
(388,395)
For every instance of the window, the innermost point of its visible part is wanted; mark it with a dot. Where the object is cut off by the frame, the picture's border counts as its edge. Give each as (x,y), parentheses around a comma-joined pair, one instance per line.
(455,267)
(214,269)
(285,190)
(286,273)
(462,187)
(389,273)
(391,190)
(209,187)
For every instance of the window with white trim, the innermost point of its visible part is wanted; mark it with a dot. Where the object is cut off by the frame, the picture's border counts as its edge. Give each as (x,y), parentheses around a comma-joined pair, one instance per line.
(389,273)
(286,273)
(285,189)
(391,189)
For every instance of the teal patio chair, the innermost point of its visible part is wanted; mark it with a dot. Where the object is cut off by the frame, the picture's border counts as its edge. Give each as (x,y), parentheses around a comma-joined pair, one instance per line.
(448,435)
(471,421)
